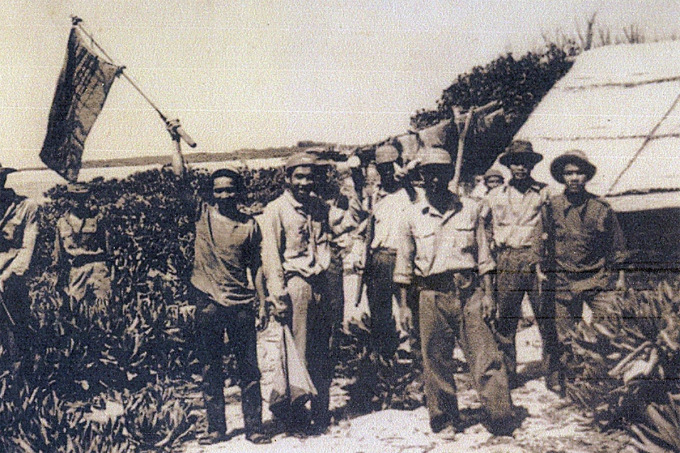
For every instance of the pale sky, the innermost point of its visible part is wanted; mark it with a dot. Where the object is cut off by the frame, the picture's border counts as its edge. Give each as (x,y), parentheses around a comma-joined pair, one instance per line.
(253,74)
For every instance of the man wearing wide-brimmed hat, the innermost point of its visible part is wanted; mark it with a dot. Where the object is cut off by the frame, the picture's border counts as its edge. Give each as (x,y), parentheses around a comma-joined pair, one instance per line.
(296,256)
(580,243)
(442,248)
(512,211)
(18,233)
(81,254)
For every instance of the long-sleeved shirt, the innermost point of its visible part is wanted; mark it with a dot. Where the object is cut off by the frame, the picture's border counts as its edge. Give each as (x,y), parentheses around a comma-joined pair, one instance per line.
(295,240)
(224,249)
(19,230)
(586,239)
(432,242)
(512,215)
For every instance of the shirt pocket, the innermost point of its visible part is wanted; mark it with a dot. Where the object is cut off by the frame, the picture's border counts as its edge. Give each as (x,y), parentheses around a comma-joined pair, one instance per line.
(462,232)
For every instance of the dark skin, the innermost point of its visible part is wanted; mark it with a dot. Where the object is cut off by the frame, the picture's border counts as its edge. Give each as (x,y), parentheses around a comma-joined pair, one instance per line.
(300,181)
(388,180)
(436,179)
(521,175)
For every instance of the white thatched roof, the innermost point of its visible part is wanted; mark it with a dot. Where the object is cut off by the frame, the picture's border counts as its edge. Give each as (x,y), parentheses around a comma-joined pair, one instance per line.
(620,105)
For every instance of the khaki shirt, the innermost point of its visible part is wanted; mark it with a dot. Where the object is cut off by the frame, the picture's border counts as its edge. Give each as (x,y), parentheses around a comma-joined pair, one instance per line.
(388,212)
(295,240)
(432,242)
(512,215)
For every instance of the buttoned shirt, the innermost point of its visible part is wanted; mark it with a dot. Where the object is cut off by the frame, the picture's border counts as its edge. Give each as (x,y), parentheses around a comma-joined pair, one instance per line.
(388,211)
(512,215)
(586,238)
(19,230)
(80,239)
(295,240)
(432,242)
(224,249)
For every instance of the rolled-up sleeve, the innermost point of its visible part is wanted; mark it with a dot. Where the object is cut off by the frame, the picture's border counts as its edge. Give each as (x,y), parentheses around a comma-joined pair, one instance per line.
(406,249)
(272,246)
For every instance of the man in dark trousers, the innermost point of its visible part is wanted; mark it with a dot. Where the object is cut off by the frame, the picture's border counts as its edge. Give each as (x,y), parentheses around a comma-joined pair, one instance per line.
(227,247)
(580,244)
(18,233)
(512,211)
(296,255)
(443,249)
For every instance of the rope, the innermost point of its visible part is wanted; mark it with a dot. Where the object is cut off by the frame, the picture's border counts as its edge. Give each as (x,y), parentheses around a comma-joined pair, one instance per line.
(648,138)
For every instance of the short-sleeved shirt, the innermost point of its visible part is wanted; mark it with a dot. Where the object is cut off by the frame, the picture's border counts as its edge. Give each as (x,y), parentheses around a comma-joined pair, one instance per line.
(433,242)
(513,215)
(224,249)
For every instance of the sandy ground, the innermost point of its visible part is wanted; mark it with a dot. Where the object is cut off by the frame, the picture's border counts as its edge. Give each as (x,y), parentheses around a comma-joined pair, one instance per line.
(549,424)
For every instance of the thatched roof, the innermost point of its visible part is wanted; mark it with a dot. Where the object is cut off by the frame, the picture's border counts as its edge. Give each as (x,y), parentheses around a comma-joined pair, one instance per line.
(620,105)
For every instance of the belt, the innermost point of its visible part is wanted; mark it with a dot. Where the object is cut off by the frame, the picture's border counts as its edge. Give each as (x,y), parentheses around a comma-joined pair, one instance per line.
(465,279)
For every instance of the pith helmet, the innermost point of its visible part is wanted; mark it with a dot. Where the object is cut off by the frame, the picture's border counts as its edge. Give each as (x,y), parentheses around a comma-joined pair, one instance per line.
(576,157)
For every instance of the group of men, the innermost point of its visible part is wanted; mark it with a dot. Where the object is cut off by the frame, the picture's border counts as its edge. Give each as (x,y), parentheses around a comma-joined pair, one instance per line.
(458,268)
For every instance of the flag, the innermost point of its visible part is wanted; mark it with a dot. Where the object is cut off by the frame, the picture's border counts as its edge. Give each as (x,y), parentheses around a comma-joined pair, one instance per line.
(83,85)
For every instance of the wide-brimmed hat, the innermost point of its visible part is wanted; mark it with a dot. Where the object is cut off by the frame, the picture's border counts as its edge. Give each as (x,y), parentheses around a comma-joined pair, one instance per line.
(77,188)
(386,154)
(6,170)
(576,157)
(434,156)
(300,159)
(493,173)
(520,151)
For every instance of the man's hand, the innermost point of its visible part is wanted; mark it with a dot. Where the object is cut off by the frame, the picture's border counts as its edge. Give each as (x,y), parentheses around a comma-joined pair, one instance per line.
(262,316)
(282,309)
(488,306)
(406,318)
(621,281)
(540,275)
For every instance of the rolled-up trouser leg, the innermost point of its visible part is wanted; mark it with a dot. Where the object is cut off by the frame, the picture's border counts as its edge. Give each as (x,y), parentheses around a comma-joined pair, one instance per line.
(440,315)
(380,290)
(485,361)
(211,339)
(240,323)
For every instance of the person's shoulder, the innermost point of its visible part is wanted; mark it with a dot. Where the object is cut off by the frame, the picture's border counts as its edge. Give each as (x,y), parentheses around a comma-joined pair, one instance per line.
(496,192)
(600,201)
(275,204)
(539,186)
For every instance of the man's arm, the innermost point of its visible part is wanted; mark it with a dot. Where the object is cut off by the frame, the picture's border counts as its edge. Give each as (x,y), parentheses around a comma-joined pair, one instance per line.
(403,271)
(20,264)
(485,264)
(618,253)
(272,265)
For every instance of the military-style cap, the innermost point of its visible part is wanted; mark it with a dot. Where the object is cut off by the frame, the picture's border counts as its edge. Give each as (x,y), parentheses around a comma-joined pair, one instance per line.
(77,188)
(385,154)
(434,156)
(229,170)
(520,151)
(576,157)
(301,159)
(493,173)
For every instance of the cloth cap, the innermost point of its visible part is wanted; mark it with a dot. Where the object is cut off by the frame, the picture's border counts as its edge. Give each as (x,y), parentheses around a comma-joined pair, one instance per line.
(386,154)
(492,172)
(576,157)
(520,151)
(77,188)
(233,170)
(300,159)
(434,156)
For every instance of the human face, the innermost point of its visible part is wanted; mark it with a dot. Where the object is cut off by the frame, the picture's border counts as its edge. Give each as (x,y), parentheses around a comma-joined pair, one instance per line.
(226,191)
(493,182)
(436,178)
(386,172)
(301,182)
(574,178)
(521,171)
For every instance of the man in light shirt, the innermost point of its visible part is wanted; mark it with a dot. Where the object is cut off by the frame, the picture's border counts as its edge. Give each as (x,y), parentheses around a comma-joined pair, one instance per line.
(442,248)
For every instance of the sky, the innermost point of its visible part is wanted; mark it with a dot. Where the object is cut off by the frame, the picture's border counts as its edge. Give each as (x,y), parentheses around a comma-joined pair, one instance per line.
(254,74)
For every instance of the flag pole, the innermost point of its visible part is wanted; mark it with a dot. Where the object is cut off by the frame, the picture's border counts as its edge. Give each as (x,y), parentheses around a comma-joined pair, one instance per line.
(461,148)
(173,125)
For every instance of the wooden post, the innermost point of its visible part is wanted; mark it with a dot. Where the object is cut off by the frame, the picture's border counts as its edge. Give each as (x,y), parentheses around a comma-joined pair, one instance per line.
(461,148)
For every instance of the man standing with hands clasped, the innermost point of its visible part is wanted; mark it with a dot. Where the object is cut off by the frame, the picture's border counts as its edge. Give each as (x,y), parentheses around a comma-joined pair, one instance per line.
(580,243)
(443,249)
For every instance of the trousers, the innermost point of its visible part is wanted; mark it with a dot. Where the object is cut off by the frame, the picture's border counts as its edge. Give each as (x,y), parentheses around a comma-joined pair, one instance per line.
(514,279)
(449,314)
(312,325)
(212,320)
(16,336)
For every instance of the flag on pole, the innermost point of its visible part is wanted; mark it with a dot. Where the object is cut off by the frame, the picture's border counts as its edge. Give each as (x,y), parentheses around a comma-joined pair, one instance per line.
(83,85)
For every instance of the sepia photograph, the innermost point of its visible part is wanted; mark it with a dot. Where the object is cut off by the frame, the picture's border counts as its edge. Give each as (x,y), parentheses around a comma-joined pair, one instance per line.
(346,226)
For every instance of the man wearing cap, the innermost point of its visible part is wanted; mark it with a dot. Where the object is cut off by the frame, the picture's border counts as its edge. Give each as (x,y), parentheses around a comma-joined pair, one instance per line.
(296,256)
(511,212)
(442,248)
(580,243)
(18,233)
(493,178)
(389,207)
(227,247)
(81,255)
